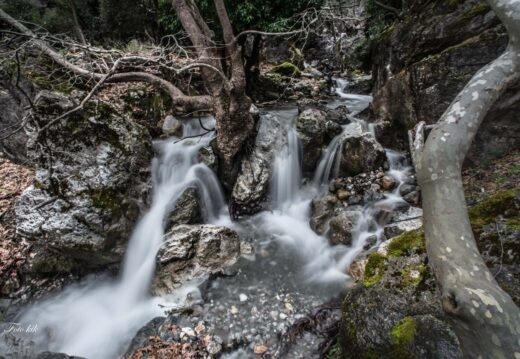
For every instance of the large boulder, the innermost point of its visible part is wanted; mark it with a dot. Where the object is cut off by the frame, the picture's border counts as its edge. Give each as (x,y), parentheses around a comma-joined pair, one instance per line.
(194,251)
(421,63)
(13,112)
(92,173)
(359,152)
(251,187)
(315,131)
(341,227)
(395,311)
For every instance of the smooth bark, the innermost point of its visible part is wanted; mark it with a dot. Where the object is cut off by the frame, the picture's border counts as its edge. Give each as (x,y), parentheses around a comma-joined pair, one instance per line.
(485,318)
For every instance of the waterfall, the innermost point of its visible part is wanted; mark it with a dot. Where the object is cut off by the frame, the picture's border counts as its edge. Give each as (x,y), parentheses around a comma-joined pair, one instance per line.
(287,171)
(96,319)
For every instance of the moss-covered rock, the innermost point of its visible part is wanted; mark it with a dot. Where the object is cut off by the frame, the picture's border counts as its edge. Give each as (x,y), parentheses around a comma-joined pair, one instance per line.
(407,242)
(286,69)
(504,203)
(85,208)
(374,269)
(404,331)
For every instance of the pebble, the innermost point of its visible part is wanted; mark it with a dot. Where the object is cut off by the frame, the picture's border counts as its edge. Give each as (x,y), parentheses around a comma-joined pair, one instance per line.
(260,349)
(234,310)
(243,297)
(213,347)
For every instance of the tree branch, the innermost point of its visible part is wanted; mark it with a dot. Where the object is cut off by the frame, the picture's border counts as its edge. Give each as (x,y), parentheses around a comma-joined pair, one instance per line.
(485,318)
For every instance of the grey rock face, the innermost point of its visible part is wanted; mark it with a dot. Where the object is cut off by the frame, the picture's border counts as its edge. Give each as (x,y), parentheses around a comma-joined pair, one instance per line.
(12,115)
(192,252)
(187,209)
(341,227)
(91,179)
(360,152)
(250,189)
(322,210)
(315,131)
(171,127)
(422,64)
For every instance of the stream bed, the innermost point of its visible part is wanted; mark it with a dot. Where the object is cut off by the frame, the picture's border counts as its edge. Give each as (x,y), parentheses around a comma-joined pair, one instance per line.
(281,299)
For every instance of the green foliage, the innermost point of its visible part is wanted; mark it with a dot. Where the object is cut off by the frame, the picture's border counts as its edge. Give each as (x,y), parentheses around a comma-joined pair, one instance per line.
(374,269)
(272,15)
(404,331)
(54,15)
(406,242)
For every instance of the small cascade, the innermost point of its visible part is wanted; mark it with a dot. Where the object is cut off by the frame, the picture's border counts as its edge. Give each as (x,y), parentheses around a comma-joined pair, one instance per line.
(368,226)
(356,103)
(96,319)
(286,180)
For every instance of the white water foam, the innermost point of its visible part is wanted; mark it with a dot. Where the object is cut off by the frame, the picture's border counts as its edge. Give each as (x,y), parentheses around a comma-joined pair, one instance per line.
(97,319)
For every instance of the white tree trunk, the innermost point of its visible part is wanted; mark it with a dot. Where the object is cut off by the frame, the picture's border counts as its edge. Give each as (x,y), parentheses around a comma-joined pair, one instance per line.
(485,318)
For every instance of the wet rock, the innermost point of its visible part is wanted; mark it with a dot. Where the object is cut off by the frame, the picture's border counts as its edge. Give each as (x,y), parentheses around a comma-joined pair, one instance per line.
(52,355)
(250,189)
(187,209)
(414,198)
(194,251)
(172,127)
(92,173)
(403,222)
(388,182)
(360,152)
(341,227)
(407,188)
(141,338)
(322,210)
(339,115)
(208,157)
(314,131)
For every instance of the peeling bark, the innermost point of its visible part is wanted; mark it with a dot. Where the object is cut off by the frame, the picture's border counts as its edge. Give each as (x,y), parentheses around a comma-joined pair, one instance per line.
(485,318)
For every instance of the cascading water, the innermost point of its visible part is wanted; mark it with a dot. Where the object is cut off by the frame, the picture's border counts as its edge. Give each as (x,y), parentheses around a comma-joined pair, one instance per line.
(96,319)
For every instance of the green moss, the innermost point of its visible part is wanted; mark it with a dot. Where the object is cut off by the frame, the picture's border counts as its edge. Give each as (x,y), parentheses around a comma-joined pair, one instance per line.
(514,223)
(106,199)
(334,352)
(286,69)
(37,184)
(374,269)
(406,242)
(413,275)
(477,9)
(52,265)
(498,204)
(404,331)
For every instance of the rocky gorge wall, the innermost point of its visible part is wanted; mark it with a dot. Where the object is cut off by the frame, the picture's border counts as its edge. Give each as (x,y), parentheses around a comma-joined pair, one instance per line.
(421,62)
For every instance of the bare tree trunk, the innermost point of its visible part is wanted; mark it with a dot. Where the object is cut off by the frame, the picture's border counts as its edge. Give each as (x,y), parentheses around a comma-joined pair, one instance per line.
(77,26)
(485,318)
(230,103)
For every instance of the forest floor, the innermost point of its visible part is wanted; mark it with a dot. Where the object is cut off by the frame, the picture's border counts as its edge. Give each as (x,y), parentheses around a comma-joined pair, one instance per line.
(13,249)
(483,180)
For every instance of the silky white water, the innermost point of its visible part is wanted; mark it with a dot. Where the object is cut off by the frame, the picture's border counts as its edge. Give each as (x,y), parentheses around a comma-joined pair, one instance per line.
(96,319)
(289,219)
